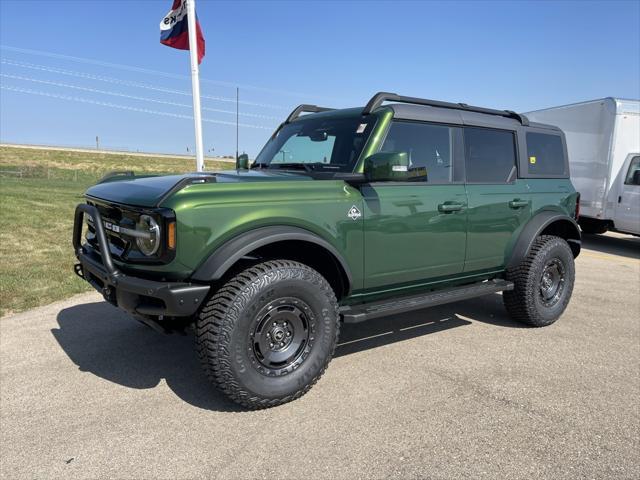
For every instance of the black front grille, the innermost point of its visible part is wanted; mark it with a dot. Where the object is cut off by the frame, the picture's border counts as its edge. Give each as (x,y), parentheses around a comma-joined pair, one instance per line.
(123,247)
(119,245)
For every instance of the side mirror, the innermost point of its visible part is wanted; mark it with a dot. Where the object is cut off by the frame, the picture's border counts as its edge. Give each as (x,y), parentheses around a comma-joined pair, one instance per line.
(635,180)
(242,162)
(392,166)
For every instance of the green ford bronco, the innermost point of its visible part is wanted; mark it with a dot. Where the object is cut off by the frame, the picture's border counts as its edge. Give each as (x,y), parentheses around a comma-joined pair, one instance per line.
(345,215)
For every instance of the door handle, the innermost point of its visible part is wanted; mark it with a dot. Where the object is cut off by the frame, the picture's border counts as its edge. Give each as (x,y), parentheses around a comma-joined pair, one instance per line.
(517,203)
(449,207)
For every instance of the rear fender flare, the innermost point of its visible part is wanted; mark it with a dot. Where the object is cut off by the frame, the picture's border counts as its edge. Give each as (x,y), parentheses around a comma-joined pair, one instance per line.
(536,226)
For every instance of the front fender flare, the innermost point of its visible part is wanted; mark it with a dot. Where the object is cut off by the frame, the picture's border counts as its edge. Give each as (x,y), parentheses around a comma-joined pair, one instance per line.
(223,258)
(536,226)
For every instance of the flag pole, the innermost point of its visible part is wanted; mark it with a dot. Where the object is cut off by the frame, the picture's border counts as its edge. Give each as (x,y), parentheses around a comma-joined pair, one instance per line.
(237,117)
(195,82)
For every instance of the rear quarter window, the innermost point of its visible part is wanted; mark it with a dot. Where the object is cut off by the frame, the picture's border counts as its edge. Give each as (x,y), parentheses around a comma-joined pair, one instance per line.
(545,154)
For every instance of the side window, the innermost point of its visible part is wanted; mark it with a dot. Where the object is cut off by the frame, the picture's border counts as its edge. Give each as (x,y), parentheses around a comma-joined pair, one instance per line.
(545,155)
(490,155)
(428,146)
(633,175)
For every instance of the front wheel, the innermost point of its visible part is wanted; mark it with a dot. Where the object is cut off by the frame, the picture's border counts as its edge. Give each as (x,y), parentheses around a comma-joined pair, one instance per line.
(543,282)
(269,333)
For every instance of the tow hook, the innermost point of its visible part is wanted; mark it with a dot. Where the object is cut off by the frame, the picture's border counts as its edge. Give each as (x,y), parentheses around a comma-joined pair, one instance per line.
(109,295)
(77,268)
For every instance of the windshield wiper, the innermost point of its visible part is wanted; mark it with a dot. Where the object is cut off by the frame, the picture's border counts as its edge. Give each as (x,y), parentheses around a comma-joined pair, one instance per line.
(292,166)
(309,167)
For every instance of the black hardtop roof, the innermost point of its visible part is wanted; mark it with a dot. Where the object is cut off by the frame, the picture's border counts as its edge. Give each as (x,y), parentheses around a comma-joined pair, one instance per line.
(460,117)
(412,108)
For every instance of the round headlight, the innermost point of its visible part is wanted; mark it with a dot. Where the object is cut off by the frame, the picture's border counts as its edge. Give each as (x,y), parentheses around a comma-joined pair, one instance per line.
(148,245)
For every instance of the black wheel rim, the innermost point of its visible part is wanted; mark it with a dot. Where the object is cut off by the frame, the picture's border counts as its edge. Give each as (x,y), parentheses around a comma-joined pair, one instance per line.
(552,282)
(281,336)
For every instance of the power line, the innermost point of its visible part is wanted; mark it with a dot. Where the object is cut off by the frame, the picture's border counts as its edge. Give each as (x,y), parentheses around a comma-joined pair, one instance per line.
(129,83)
(145,70)
(132,97)
(123,107)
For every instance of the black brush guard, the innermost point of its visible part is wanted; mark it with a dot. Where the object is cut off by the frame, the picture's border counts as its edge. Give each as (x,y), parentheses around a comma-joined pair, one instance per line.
(133,294)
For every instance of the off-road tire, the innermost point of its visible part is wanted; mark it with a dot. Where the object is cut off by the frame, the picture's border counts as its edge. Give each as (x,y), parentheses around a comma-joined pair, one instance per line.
(226,332)
(526,302)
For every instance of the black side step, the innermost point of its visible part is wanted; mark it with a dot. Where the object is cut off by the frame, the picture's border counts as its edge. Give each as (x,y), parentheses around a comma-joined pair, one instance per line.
(360,313)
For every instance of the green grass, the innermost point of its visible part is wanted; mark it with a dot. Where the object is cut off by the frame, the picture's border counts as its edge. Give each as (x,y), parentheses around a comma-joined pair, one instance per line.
(36,218)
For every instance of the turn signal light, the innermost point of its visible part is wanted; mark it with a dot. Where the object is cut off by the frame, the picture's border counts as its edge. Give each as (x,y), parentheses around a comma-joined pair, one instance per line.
(171,236)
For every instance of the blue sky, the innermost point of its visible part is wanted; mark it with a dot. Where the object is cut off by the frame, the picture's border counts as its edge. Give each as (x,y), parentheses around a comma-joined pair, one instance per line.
(133,92)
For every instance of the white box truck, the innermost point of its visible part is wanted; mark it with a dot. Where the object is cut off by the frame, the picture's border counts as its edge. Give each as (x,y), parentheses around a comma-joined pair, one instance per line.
(603,143)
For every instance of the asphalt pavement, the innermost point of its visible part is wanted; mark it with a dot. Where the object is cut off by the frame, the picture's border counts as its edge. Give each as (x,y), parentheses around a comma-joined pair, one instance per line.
(453,392)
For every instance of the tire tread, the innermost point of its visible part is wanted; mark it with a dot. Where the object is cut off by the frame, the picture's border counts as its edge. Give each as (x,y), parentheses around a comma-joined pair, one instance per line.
(217,319)
(520,302)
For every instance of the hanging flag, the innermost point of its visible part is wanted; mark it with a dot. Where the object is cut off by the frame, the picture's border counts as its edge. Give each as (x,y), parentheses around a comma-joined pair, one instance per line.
(174,29)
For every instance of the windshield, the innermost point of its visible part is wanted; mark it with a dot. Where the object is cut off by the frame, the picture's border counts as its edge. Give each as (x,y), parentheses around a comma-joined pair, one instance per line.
(325,143)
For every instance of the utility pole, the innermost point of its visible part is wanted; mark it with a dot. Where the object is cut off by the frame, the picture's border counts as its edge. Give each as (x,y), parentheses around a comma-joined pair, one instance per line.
(237,118)
(97,143)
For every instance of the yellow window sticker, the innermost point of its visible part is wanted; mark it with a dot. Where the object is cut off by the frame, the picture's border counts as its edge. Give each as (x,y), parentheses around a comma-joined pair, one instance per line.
(532,160)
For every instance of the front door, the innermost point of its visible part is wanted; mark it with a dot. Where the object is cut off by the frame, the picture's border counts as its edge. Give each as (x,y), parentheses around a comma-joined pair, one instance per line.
(628,207)
(416,231)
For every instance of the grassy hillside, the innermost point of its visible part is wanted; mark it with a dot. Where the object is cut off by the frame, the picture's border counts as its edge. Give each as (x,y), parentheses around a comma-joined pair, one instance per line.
(36,217)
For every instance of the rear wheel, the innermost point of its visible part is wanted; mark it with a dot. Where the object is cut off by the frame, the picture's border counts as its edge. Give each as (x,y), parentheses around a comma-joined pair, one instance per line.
(269,333)
(543,282)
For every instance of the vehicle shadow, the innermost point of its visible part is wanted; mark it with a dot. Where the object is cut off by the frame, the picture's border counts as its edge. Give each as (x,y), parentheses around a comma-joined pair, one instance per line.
(356,337)
(104,341)
(108,343)
(627,246)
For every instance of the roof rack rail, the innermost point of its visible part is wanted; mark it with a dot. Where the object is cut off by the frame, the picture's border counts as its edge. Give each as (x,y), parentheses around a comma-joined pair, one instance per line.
(379,98)
(305,108)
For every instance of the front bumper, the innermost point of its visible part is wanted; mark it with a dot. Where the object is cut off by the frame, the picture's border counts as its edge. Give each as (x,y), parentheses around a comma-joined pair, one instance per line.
(133,294)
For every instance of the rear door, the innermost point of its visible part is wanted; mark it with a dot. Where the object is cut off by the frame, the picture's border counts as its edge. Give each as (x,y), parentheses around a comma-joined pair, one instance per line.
(416,231)
(498,200)
(628,207)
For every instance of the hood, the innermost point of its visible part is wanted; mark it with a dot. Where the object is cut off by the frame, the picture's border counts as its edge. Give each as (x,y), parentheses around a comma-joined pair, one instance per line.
(151,191)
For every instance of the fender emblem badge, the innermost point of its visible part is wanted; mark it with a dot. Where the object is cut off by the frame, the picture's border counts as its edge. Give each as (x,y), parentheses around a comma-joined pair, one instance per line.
(354,213)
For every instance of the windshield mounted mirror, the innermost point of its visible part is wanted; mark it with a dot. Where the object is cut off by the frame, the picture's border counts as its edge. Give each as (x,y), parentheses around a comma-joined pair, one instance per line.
(318,136)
